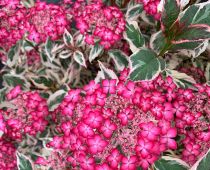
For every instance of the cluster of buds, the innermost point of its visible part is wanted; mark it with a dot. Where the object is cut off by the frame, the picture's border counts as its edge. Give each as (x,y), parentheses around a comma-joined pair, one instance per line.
(151,7)
(99,23)
(125,125)
(7,155)
(25,115)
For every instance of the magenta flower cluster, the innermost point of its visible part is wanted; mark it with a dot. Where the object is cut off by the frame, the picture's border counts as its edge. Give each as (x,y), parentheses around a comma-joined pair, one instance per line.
(7,155)
(26,114)
(39,22)
(99,23)
(118,125)
(12,26)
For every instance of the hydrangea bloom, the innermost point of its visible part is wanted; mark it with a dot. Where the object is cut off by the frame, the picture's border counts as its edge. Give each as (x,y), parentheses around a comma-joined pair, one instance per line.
(131,125)
(46,20)
(12,25)
(98,22)
(25,114)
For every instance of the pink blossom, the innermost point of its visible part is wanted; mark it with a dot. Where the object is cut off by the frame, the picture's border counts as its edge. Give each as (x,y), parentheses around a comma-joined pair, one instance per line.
(96,144)
(129,163)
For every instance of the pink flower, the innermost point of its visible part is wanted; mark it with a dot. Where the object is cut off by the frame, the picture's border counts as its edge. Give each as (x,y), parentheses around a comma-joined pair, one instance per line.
(66,127)
(145,104)
(109,86)
(34,36)
(180,109)
(168,112)
(68,110)
(94,119)
(56,142)
(166,139)
(129,163)
(85,130)
(146,162)
(40,124)
(86,163)
(82,26)
(96,144)
(91,87)
(104,166)
(73,95)
(157,97)
(89,39)
(129,90)
(149,130)
(41,161)
(144,148)
(126,115)
(108,128)
(114,158)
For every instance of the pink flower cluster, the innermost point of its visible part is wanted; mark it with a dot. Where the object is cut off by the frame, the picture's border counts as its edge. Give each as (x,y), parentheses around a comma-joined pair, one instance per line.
(194,123)
(7,155)
(25,114)
(151,7)
(118,125)
(46,20)
(39,22)
(12,25)
(98,22)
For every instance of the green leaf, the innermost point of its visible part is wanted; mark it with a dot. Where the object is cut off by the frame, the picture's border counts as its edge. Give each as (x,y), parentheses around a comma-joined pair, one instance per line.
(196,14)
(183,3)
(95,51)
(13,55)
(106,73)
(171,10)
(134,36)
(79,39)
(64,54)
(202,163)
(79,58)
(120,59)
(55,99)
(157,42)
(48,49)
(181,79)
(191,49)
(134,12)
(14,80)
(144,65)
(68,39)
(119,2)
(23,162)
(28,45)
(205,162)
(193,33)
(186,45)
(169,163)
(28,3)
(3,92)
(42,82)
